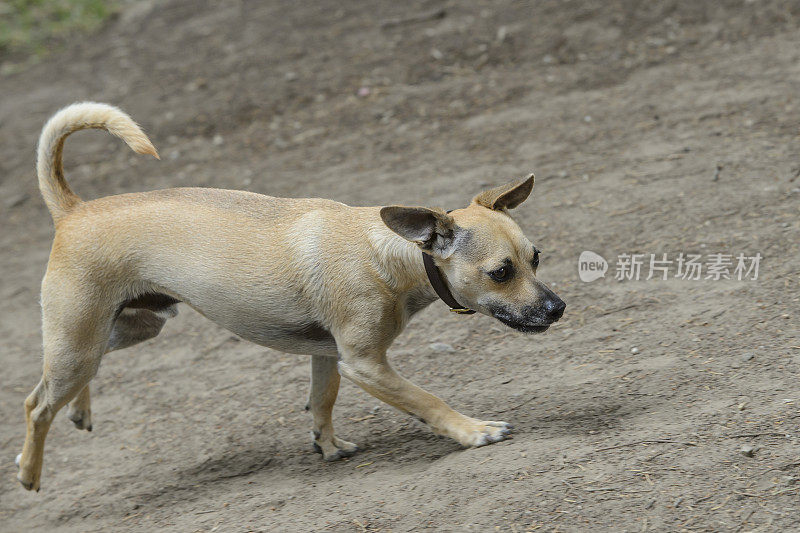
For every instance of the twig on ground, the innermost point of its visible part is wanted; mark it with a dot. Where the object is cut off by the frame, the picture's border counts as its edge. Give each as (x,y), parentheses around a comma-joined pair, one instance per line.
(648,441)
(662,452)
(688,521)
(362,418)
(783,468)
(746,518)
(749,435)
(385,453)
(720,506)
(626,211)
(421,17)
(618,309)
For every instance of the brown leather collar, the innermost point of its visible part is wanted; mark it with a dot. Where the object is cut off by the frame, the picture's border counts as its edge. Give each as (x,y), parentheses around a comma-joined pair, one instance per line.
(437,282)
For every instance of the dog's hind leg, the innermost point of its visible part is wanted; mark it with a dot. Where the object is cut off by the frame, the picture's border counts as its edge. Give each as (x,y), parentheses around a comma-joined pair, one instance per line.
(132,326)
(66,373)
(74,342)
(76,324)
(324,389)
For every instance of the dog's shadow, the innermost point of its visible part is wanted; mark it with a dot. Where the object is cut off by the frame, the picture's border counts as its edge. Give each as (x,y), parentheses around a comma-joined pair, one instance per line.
(408,448)
(145,491)
(206,475)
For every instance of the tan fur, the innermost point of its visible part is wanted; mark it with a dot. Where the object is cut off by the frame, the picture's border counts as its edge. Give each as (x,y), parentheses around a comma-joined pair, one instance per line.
(308,276)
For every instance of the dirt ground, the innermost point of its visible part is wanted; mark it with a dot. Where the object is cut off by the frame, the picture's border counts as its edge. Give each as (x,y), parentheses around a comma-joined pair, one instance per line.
(624,110)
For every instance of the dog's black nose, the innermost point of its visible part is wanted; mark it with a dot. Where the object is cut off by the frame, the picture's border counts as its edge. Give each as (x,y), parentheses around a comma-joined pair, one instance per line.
(554,307)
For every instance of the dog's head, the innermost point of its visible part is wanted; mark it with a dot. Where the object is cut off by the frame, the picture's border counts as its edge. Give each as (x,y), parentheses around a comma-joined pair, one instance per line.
(489,264)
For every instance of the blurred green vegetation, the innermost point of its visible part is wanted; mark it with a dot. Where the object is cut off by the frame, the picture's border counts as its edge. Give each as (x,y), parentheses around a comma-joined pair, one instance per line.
(27,27)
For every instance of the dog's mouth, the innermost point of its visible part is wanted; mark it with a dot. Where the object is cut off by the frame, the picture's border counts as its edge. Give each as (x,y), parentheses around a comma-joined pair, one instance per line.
(521,325)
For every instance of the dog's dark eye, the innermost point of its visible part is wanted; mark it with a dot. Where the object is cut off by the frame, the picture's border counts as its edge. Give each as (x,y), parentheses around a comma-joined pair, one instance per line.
(535,260)
(502,274)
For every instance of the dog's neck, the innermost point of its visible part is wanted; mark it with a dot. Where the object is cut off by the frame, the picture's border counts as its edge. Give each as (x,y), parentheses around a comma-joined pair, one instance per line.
(402,267)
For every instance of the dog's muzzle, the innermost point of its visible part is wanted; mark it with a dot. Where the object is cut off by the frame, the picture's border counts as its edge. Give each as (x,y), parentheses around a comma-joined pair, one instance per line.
(533,319)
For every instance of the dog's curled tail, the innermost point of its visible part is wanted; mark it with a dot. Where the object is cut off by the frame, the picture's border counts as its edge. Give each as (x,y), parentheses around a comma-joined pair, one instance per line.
(57,195)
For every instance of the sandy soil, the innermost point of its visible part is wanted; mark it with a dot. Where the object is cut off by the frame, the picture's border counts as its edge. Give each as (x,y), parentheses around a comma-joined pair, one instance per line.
(622,109)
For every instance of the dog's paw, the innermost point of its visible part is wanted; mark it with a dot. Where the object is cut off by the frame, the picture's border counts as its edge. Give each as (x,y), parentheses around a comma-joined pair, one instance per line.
(82,418)
(28,482)
(334,449)
(485,432)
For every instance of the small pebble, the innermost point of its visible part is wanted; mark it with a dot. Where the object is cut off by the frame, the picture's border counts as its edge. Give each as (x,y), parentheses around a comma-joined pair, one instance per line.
(502,33)
(742,406)
(747,450)
(747,357)
(634,350)
(442,347)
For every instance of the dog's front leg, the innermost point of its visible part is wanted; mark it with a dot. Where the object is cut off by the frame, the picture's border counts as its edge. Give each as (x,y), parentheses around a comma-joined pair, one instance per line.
(324,389)
(372,372)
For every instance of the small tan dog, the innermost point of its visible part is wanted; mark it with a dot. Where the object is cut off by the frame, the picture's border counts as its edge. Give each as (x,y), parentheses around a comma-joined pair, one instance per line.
(307,276)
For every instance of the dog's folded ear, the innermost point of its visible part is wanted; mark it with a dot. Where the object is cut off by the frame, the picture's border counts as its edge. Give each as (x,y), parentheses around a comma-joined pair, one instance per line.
(506,196)
(433,230)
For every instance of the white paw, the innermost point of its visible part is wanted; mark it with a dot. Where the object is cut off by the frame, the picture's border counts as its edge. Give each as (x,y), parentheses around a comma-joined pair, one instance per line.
(487,432)
(18,459)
